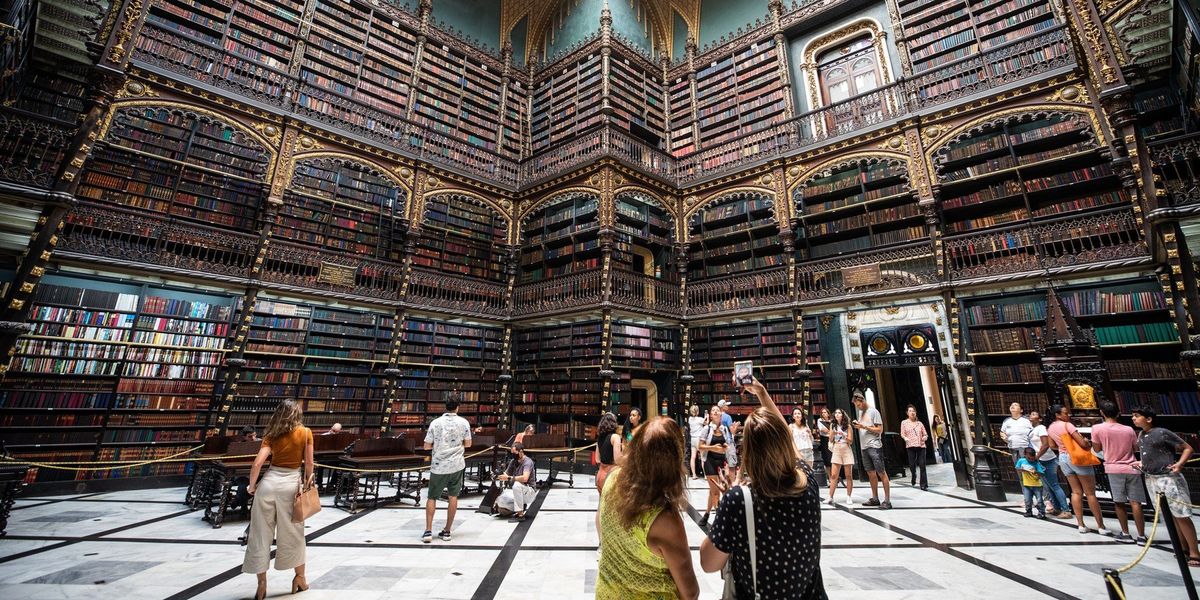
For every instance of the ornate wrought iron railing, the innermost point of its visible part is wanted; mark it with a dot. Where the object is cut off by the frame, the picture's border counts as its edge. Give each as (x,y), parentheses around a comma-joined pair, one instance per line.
(640,291)
(739,292)
(1177,166)
(109,232)
(458,293)
(910,266)
(33,148)
(312,269)
(569,291)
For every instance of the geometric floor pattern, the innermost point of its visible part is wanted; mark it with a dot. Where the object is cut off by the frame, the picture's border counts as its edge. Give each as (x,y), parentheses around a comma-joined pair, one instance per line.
(943,544)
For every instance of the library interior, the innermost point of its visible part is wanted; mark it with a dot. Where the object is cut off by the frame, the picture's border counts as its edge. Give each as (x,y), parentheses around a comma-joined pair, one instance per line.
(366,216)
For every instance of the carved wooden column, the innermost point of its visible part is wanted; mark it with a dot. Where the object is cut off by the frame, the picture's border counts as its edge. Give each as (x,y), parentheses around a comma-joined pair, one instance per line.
(290,90)
(965,368)
(690,51)
(781,51)
(605,61)
(122,26)
(606,370)
(901,39)
(424,10)
(506,53)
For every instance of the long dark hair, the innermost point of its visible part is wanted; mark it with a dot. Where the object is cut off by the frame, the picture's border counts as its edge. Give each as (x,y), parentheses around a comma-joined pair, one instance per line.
(843,421)
(607,426)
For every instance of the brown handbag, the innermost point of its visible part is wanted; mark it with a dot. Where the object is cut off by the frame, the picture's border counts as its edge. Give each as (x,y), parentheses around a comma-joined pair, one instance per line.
(307,504)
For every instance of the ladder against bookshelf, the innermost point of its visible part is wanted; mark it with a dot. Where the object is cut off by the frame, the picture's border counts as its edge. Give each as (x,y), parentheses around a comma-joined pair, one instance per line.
(561,238)
(330,360)
(341,206)
(114,371)
(733,235)
(1138,340)
(438,357)
(176,163)
(462,236)
(857,206)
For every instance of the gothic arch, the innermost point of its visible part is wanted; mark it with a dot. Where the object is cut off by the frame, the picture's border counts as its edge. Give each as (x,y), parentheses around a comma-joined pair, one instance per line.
(1018,114)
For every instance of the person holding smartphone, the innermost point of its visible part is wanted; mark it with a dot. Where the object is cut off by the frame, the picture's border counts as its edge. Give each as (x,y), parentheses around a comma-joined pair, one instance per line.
(717,441)
(870,428)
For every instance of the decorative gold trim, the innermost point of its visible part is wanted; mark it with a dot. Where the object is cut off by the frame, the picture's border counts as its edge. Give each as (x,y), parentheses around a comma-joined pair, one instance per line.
(807,174)
(832,38)
(932,148)
(501,210)
(689,211)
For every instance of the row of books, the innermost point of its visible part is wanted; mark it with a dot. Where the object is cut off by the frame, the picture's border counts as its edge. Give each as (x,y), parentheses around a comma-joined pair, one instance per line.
(1020,373)
(1137,334)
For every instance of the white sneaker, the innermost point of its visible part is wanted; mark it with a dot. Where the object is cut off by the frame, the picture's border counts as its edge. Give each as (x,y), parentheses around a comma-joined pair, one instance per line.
(1104,532)
(849,502)
(1083,529)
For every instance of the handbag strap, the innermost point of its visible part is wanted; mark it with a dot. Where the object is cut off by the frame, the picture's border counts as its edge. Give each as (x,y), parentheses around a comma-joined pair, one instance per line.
(748,499)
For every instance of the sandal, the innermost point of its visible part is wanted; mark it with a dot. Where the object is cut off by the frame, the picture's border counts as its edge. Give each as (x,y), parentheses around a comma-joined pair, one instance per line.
(1194,562)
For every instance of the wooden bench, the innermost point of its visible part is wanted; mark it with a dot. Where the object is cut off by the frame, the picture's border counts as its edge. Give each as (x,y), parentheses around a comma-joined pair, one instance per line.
(378,458)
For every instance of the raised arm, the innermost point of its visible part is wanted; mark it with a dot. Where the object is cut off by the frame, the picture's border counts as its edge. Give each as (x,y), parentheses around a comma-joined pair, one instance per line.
(764,397)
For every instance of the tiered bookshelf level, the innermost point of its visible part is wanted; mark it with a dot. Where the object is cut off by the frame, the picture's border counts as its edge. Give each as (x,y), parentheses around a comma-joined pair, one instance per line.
(644,346)
(113,372)
(461,237)
(637,97)
(738,94)
(458,96)
(340,206)
(328,359)
(1138,340)
(1158,113)
(770,343)
(683,134)
(566,101)
(940,32)
(1020,172)
(439,356)
(561,238)
(735,235)
(181,165)
(858,207)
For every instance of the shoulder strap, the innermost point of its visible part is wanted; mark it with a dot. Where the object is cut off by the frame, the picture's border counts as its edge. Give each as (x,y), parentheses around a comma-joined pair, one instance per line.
(748,499)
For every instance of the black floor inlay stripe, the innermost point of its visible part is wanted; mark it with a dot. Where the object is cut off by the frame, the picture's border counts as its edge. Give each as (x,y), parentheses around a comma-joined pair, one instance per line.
(499,571)
(55,500)
(983,564)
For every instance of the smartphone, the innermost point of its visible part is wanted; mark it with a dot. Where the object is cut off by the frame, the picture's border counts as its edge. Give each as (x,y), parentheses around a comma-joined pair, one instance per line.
(744,372)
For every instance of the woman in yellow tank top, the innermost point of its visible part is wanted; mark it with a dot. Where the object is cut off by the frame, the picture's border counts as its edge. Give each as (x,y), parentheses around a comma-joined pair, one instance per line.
(644,553)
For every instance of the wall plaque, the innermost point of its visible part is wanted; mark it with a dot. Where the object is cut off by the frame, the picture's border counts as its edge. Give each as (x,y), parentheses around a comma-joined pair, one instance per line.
(862,276)
(339,275)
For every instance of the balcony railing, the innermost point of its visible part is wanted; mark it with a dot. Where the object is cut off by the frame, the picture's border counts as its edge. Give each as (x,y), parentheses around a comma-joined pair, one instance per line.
(456,293)
(33,148)
(1062,244)
(1000,66)
(568,291)
(739,292)
(911,266)
(640,291)
(311,269)
(110,232)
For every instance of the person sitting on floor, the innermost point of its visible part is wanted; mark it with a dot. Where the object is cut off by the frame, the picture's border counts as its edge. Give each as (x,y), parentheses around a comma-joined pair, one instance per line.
(514,502)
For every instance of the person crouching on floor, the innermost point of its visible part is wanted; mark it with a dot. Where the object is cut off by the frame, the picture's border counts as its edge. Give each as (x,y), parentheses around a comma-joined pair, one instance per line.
(520,472)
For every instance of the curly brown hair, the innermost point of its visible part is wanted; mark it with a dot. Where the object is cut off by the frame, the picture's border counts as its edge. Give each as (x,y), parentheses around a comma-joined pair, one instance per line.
(652,472)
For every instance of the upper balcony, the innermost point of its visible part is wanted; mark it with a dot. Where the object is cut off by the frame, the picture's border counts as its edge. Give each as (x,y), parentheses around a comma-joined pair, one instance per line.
(1045,54)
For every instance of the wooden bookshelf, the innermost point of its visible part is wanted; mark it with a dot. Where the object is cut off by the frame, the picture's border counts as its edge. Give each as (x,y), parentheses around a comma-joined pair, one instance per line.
(857,207)
(682,125)
(735,235)
(113,371)
(644,346)
(815,362)
(340,206)
(739,93)
(561,238)
(180,165)
(461,237)
(438,357)
(939,32)
(636,95)
(566,101)
(1159,114)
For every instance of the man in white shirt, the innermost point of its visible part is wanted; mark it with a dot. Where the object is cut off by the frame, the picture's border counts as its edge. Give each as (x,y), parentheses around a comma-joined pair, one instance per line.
(448,436)
(1015,431)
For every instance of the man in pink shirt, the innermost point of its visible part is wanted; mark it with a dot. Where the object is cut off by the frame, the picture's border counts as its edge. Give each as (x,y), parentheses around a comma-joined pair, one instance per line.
(1117,441)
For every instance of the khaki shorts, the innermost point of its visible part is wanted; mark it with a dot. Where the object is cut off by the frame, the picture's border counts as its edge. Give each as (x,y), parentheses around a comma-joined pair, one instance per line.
(841,455)
(450,483)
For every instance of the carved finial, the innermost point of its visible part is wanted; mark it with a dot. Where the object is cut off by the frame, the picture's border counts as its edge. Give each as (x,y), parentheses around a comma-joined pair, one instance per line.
(606,19)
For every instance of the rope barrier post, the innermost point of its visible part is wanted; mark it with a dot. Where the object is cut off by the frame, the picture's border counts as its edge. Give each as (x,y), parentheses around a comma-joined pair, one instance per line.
(1112,583)
(1180,550)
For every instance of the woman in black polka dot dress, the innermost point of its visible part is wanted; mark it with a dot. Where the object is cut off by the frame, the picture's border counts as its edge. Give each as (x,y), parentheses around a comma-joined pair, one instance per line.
(787,515)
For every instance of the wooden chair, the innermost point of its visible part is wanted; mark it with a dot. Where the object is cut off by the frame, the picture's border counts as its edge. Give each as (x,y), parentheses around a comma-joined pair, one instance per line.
(219,490)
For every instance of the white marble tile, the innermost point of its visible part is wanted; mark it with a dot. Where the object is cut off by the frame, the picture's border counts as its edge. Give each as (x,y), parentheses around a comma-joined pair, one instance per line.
(74,518)
(939,576)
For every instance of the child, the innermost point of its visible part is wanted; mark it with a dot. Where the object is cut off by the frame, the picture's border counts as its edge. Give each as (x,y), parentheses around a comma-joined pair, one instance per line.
(1163,477)
(1031,482)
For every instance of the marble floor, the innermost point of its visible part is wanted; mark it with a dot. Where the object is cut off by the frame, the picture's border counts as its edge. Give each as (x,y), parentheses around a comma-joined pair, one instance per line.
(942,543)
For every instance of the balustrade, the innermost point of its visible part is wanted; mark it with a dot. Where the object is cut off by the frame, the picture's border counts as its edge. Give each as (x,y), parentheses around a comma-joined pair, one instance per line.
(641,291)
(911,266)
(738,292)
(108,232)
(33,148)
(568,291)
(301,266)
(448,291)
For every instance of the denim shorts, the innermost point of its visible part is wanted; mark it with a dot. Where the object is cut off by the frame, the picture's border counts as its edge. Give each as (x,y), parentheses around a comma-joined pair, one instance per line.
(1068,469)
